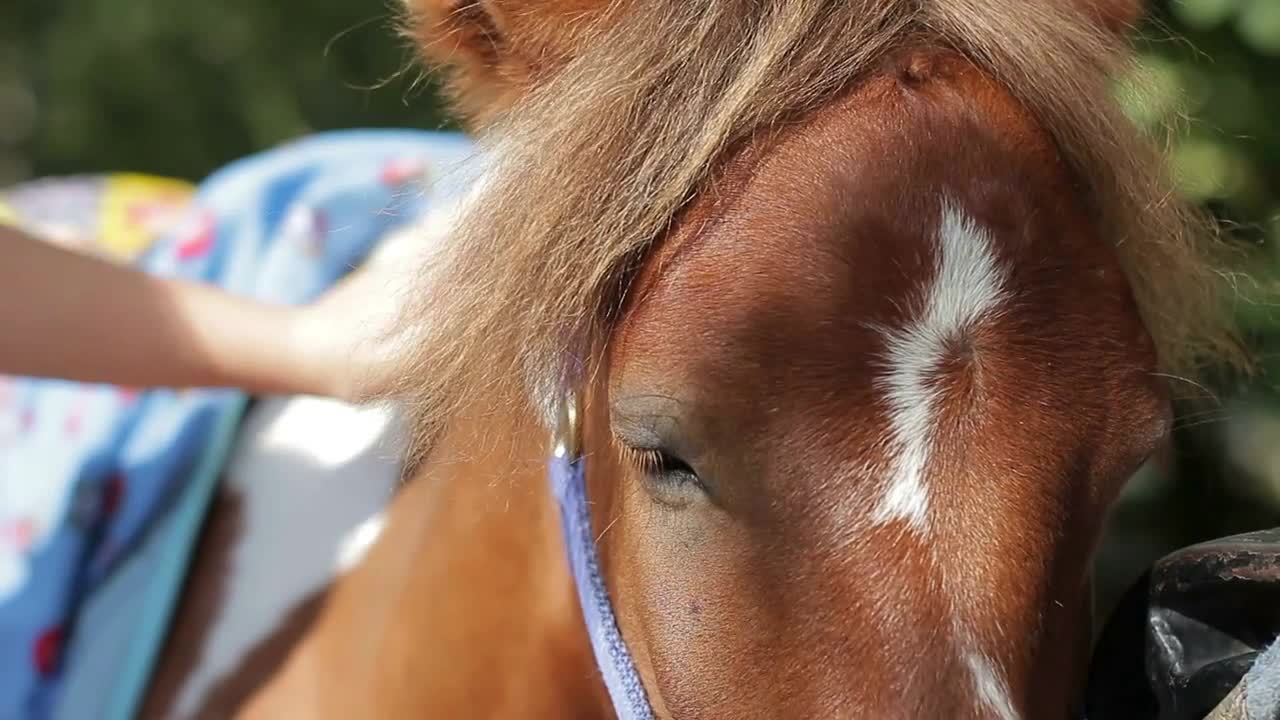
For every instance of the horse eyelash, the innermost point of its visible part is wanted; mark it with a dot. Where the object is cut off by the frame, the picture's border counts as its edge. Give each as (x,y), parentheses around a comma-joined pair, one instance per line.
(644,460)
(653,462)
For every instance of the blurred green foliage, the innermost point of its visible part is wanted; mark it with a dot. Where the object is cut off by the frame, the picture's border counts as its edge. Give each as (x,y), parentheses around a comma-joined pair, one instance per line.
(181,88)
(1212,67)
(1214,63)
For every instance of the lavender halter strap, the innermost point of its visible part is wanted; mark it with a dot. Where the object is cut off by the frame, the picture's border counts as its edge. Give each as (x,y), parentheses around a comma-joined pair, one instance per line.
(568,484)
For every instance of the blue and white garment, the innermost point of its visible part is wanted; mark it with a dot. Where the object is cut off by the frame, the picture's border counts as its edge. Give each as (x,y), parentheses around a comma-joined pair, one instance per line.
(101,483)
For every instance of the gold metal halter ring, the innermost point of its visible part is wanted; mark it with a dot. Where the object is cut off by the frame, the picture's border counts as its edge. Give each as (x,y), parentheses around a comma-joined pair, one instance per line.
(567,437)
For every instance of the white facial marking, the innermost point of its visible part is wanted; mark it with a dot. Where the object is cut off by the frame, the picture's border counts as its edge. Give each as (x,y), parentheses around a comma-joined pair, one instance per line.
(990,686)
(966,288)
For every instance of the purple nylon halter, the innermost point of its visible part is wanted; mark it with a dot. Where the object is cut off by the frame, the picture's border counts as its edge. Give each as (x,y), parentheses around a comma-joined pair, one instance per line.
(567,474)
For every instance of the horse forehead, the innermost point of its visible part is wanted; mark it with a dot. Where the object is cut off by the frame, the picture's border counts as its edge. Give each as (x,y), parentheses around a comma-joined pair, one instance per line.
(812,240)
(801,268)
(815,271)
(811,235)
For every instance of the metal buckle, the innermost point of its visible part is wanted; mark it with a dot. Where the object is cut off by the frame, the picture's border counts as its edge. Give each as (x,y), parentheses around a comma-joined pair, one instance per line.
(567,438)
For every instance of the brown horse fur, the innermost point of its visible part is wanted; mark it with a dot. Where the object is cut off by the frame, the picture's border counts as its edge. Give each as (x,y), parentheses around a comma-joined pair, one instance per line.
(777,594)
(484,625)
(596,158)
(806,145)
(494,51)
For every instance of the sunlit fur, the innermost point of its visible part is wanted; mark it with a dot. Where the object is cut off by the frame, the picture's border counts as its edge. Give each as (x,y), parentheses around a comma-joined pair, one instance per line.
(599,156)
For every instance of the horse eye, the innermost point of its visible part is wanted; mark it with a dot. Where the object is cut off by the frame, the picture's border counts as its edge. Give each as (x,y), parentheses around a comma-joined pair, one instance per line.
(672,479)
(667,465)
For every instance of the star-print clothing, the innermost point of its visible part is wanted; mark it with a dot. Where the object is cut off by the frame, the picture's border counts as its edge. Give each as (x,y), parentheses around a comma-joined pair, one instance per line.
(90,473)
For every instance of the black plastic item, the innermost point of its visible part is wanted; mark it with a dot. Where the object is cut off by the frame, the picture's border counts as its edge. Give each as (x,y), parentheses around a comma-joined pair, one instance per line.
(1187,631)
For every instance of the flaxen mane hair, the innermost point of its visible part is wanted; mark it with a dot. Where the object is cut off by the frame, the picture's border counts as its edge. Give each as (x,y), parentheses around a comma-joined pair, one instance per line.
(594,163)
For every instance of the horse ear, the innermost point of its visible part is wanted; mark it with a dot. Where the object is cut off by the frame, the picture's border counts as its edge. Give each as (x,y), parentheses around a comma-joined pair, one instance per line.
(470,40)
(494,50)
(1118,16)
(453,31)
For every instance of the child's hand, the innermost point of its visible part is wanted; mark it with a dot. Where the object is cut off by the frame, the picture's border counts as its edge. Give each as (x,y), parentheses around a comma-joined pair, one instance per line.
(162,332)
(345,341)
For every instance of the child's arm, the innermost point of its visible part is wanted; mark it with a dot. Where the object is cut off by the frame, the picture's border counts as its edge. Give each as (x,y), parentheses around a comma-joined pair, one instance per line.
(67,315)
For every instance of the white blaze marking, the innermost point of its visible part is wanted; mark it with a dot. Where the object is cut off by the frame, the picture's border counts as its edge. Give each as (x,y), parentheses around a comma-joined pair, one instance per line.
(990,686)
(966,288)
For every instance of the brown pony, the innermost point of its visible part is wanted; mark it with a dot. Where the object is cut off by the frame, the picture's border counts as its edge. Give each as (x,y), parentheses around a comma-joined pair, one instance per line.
(866,305)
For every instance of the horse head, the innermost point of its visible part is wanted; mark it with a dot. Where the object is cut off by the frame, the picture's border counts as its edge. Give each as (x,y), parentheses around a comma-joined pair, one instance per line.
(862,308)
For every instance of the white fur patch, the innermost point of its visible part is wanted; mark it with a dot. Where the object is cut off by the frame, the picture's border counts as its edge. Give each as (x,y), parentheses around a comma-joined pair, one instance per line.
(967,287)
(990,686)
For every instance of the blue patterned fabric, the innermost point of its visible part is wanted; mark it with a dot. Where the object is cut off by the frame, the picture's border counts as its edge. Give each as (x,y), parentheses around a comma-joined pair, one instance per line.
(87,471)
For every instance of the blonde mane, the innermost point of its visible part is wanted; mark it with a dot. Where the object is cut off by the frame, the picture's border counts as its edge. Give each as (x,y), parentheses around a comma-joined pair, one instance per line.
(595,162)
